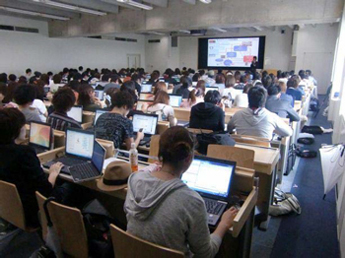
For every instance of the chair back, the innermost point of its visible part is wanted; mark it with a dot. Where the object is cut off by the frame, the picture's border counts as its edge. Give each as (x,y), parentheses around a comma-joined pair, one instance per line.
(252,140)
(11,207)
(69,225)
(154,147)
(43,219)
(126,245)
(199,131)
(182,114)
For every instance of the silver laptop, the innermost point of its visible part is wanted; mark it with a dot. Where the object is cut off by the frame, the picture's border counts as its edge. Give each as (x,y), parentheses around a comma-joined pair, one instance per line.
(76,113)
(211,178)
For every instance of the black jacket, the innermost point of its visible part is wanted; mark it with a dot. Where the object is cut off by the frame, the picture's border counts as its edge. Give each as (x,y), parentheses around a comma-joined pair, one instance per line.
(19,165)
(207,116)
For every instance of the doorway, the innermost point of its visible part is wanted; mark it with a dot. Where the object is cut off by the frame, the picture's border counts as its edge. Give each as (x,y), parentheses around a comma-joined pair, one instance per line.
(133,60)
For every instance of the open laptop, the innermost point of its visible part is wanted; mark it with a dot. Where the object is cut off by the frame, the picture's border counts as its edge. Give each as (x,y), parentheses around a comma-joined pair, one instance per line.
(91,169)
(99,94)
(146,96)
(98,113)
(40,136)
(79,149)
(76,113)
(140,104)
(211,88)
(175,100)
(146,88)
(211,178)
(147,122)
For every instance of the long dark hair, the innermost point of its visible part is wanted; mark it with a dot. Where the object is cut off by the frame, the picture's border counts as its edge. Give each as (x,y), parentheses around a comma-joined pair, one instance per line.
(84,95)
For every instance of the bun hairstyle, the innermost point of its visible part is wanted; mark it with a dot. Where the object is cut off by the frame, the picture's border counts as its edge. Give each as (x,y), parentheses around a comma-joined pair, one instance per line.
(175,146)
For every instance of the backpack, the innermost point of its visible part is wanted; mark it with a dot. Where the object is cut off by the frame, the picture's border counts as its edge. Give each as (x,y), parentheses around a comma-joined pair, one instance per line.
(312,129)
(220,138)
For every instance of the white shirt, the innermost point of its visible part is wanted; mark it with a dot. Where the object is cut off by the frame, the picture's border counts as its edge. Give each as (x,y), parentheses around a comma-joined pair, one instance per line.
(41,108)
(164,112)
(54,87)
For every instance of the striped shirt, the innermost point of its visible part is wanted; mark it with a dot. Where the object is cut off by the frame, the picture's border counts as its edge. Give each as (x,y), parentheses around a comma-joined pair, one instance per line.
(60,121)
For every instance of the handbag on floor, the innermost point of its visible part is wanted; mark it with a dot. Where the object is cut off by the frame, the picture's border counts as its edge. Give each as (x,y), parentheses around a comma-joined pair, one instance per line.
(284,203)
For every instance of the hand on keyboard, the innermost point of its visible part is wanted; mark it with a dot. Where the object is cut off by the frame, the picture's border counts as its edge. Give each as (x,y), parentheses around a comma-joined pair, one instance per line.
(228,217)
(56,168)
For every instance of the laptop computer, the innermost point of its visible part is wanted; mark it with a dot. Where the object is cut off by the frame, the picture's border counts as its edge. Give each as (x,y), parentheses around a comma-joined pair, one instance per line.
(140,104)
(91,169)
(146,96)
(79,149)
(147,122)
(211,88)
(211,178)
(175,100)
(146,88)
(76,113)
(98,113)
(40,136)
(99,94)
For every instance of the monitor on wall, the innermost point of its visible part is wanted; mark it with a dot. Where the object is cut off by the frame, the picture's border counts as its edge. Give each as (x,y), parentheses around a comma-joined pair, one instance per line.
(235,53)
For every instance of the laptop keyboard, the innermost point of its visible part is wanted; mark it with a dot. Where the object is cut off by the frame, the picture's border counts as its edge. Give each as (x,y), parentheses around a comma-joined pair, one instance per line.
(214,207)
(83,171)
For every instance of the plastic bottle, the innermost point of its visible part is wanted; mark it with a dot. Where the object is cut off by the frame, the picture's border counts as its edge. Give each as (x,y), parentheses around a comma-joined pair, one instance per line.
(133,158)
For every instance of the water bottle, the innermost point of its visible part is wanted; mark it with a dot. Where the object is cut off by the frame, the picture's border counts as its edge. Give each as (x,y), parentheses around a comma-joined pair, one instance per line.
(133,158)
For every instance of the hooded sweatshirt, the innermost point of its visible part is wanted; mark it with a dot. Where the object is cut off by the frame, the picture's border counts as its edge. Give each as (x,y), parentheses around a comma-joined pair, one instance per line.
(207,116)
(170,214)
(262,124)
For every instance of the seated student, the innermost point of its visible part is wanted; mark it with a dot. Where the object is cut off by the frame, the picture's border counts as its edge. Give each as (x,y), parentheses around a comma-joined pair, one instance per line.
(56,83)
(278,106)
(293,89)
(88,99)
(283,95)
(243,82)
(161,107)
(114,82)
(63,101)
(209,114)
(220,82)
(137,81)
(196,96)
(3,92)
(24,96)
(115,126)
(163,210)
(19,164)
(256,120)
(160,86)
(241,100)
(230,92)
(183,90)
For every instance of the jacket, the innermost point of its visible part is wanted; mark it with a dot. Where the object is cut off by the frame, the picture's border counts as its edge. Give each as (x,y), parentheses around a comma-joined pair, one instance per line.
(281,108)
(207,116)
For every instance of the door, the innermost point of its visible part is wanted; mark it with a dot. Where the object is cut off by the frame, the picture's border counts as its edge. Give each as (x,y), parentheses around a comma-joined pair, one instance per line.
(133,60)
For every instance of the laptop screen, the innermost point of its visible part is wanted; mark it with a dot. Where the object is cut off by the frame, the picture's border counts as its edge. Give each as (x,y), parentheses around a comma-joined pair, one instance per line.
(209,176)
(211,88)
(40,134)
(79,143)
(98,156)
(146,88)
(175,100)
(141,103)
(99,94)
(98,113)
(147,122)
(76,113)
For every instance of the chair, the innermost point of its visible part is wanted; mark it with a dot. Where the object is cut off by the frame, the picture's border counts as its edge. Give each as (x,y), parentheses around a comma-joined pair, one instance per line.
(252,140)
(69,225)
(199,131)
(154,147)
(242,157)
(125,245)
(11,207)
(43,219)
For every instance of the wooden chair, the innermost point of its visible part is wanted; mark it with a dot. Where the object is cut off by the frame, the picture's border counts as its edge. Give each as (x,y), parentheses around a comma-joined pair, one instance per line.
(125,245)
(43,219)
(162,126)
(198,131)
(69,225)
(242,157)
(182,114)
(11,207)
(154,147)
(252,140)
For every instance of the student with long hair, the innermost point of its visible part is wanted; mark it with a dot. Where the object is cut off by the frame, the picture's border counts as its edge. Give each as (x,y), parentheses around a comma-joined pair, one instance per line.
(161,107)
(88,99)
(195,96)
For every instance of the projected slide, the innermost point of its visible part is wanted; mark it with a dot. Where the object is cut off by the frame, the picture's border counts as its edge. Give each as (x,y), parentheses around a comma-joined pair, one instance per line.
(232,52)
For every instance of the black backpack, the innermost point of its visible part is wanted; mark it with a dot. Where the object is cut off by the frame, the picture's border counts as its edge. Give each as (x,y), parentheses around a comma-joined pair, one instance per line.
(312,129)
(220,138)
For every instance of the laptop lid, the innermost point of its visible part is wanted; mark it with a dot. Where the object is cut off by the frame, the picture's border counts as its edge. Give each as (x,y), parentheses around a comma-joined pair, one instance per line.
(175,100)
(99,94)
(210,177)
(140,104)
(98,113)
(98,157)
(76,113)
(41,135)
(148,122)
(146,88)
(79,143)
(211,88)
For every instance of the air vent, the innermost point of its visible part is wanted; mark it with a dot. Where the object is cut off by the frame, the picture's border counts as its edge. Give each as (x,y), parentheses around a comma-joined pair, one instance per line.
(126,39)
(95,37)
(20,29)
(154,40)
(120,39)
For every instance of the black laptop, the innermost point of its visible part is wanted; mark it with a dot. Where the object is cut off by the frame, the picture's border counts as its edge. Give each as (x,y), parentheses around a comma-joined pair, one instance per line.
(40,136)
(211,178)
(147,122)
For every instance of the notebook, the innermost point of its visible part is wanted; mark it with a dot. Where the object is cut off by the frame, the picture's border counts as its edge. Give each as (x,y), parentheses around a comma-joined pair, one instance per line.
(147,122)
(91,169)
(79,149)
(175,100)
(40,136)
(76,113)
(211,178)
(98,113)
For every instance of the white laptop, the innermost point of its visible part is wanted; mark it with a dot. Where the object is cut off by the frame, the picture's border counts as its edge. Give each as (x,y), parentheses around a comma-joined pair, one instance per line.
(76,113)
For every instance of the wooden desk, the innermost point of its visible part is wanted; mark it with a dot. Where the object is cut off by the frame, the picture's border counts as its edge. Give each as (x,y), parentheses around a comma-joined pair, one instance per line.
(243,222)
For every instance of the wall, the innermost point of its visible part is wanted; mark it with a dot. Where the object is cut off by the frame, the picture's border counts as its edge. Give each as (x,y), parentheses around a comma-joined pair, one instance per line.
(315,51)
(39,52)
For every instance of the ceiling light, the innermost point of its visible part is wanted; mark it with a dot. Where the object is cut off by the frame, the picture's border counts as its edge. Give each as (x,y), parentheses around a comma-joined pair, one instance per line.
(219,29)
(185,31)
(206,1)
(136,4)
(70,7)
(50,16)
(156,33)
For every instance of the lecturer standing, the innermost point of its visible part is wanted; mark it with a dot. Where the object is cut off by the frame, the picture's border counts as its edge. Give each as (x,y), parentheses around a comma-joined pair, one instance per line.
(253,66)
